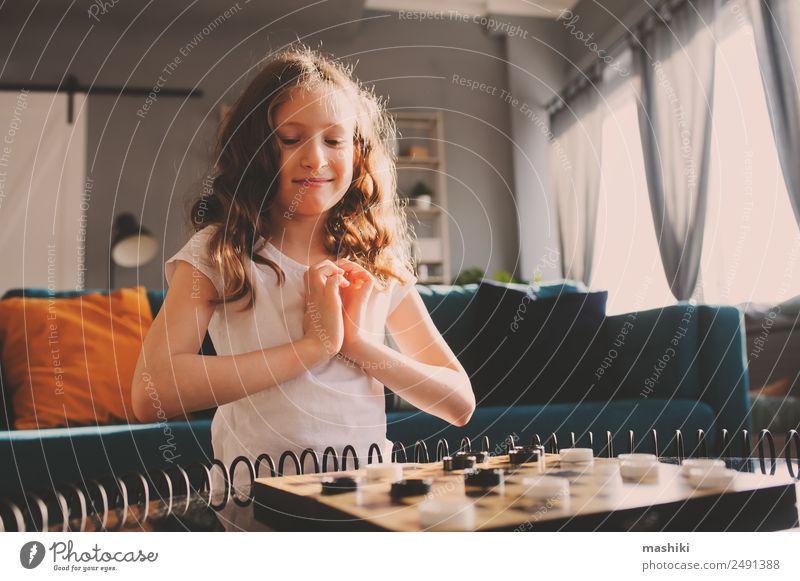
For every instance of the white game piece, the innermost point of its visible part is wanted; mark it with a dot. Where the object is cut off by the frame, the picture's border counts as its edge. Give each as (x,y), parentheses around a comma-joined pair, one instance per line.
(606,467)
(546,487)
(542,464)
(576,455)
(704,463)
(606,478)
(639,470)
(447,515)
(711,477)
(638,457)
(386,471)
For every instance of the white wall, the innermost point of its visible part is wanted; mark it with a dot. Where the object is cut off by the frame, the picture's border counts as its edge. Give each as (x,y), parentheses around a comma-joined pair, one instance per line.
(536,73)
(42,163)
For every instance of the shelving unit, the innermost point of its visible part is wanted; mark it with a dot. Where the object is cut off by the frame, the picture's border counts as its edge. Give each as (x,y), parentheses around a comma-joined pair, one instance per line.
(420,148)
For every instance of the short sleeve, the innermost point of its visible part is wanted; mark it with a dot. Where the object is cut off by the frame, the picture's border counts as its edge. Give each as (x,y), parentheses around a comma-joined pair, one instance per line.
(399,290)
(196,253)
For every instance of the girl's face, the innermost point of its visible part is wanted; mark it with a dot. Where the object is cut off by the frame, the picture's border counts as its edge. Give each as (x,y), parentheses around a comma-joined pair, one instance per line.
(315,131)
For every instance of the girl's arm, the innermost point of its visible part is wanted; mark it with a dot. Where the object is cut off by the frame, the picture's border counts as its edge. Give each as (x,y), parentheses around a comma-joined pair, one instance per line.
(171,379)
(425,372)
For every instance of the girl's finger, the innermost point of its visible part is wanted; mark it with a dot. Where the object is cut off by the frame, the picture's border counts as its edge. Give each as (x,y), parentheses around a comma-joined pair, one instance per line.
(332,290)
(359,273)
(350,266)
(326,268)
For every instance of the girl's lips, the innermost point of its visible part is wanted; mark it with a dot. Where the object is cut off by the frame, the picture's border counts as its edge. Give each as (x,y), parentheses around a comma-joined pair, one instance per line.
(316,182)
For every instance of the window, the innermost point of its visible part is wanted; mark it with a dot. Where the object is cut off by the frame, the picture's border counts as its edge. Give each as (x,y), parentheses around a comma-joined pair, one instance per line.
(627,262)
(751,240)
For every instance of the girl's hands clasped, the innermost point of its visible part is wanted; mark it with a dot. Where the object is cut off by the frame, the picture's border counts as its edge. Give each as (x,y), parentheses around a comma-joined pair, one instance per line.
(355,300)
(323,323)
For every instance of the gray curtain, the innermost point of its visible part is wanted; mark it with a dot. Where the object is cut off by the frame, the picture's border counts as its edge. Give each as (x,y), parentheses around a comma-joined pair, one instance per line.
(675,65)
(575,165)
(776,26)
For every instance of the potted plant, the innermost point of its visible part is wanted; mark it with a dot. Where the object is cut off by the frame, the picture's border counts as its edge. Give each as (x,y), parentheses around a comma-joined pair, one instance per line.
(421,196)
(469,276)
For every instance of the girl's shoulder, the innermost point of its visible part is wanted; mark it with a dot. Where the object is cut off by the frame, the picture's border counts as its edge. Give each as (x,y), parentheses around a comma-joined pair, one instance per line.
(196,253)
(399,289)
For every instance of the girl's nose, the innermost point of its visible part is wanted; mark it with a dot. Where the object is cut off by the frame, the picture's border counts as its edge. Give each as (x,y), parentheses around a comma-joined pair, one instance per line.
(313,156)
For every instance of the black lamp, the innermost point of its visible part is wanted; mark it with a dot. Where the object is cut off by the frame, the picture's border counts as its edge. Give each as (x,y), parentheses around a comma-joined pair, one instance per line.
(131,244)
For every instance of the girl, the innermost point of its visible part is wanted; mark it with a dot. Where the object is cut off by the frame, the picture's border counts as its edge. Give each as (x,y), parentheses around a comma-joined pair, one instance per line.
(298,267)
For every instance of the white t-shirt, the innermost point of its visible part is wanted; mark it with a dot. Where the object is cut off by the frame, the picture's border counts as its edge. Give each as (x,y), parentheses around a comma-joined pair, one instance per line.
(333,404)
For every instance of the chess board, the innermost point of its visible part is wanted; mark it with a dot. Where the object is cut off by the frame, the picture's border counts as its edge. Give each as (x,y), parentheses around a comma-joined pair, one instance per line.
(750,502)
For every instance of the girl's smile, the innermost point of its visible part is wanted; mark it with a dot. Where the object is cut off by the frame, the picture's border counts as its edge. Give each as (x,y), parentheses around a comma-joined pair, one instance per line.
(313,182)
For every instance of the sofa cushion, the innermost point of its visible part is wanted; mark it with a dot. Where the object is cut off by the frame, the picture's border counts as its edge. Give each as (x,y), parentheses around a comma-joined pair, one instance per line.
(452,309)
(551,290)
(662,344)
(533,350)
(70,361)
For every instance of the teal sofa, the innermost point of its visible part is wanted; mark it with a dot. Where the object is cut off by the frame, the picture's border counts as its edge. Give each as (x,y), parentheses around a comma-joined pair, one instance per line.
(703,387)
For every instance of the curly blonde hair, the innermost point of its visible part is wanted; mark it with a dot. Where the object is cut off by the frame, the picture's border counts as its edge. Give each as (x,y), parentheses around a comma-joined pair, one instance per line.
(367,225)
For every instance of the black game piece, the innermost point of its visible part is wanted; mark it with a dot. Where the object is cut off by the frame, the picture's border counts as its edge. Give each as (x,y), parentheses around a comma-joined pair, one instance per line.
(459,461)
(411,487)
(523,455)
(480,457)
(484,477)
(338,485)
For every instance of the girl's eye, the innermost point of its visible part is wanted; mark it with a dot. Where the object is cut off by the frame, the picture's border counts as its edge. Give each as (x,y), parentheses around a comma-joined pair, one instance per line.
(288,141)
(335,142)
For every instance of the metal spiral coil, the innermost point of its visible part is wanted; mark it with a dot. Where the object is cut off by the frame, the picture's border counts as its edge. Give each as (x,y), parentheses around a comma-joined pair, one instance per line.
(314,458)
(397,450)
(295,460)
(377,449)
(352,452)
(421,452)
(442,449)
(117,503)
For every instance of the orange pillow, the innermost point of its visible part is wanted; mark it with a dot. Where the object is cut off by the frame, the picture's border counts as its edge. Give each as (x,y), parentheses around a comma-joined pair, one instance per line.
(64,362)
